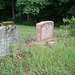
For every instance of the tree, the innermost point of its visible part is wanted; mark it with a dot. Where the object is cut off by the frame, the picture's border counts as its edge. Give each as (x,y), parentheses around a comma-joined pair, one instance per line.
(72,8)
(2,4)
(37,10)
(31,6)
(13,8)
(58,9)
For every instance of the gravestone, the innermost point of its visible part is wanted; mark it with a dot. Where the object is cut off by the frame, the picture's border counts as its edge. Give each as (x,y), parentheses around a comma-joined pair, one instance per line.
(8,33)
(44,30)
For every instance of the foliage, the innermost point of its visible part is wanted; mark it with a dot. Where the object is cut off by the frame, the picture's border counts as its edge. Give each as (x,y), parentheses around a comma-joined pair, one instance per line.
(31,6)
(68,21)
(37,10)
(71,25)
(12,48)
(72,10)
(2,5)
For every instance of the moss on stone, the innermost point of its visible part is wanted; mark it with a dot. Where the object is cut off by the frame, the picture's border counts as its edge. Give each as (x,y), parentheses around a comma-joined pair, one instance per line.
(8,23)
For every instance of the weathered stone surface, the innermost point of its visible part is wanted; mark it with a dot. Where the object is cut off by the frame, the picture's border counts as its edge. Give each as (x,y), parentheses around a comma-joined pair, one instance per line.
(44,30)
(7,34)
(8,23)
(2,41)
(51,43)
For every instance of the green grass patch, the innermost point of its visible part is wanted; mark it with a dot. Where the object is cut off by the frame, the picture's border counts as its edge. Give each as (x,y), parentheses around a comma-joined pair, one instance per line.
(40,59)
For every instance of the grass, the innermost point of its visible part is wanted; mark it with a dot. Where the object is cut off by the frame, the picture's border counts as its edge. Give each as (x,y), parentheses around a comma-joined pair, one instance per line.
(40,59)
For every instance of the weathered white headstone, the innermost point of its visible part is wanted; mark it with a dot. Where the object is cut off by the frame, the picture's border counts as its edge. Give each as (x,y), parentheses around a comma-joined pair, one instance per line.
(8,34)
(44,30)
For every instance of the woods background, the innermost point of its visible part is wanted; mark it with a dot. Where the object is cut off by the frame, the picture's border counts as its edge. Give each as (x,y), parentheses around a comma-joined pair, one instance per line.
(32,11)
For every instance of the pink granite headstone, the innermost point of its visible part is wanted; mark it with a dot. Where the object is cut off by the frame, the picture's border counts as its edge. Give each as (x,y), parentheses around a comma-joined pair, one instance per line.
(44,30)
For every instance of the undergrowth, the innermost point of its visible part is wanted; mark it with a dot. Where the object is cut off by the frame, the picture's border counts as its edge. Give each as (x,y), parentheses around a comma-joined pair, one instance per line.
(40,59)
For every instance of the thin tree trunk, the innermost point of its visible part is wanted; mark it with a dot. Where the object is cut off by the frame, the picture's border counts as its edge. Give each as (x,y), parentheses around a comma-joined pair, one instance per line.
(27,17)
(53,18)
(35,19)
(13,9)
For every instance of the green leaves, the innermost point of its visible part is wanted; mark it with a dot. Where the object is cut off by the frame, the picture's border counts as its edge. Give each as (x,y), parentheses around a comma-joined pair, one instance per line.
(71,25)
(2,4)
(63,0)
(1,7)
(31,9)
(32,6)
(72,10)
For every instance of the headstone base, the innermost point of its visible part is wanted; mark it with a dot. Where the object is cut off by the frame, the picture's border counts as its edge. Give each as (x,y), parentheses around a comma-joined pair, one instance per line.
(50,43)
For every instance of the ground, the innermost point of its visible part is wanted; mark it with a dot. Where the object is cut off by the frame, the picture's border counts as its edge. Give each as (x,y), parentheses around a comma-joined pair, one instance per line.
(40,59)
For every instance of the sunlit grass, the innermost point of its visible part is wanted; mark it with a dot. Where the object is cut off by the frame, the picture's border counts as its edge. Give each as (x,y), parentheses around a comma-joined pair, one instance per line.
(40,59)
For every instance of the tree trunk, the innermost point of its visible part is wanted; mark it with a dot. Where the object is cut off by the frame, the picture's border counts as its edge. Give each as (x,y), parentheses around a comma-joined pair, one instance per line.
(35,20)
(53,18)
(27,17)
(13,9)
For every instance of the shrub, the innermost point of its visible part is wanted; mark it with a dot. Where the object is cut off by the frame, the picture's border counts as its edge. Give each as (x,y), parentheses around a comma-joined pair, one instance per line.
(71,25)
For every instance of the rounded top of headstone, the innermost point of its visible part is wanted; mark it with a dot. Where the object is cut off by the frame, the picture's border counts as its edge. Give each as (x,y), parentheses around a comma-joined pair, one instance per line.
(43,22)
(8,23)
